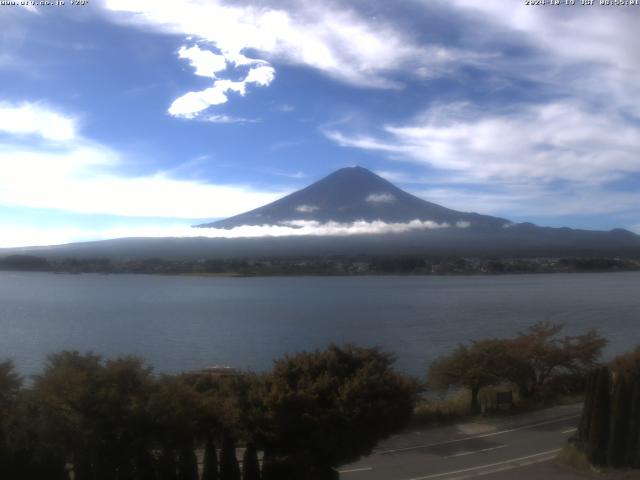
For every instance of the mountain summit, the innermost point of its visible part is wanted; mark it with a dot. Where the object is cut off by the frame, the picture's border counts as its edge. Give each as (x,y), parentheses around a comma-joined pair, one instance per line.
(351,194)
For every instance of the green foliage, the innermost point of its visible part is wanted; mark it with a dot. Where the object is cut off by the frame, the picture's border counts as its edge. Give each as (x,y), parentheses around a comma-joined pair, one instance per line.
(609,431)
(618,425)
(599,423)
(115,420)
(326,408)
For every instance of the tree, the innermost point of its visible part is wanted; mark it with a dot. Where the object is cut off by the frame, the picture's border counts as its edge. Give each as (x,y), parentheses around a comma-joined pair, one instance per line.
(96,412)
(250,465)
(187,463)
(229,468)
(210,467)
(628,364)
(175,407)
(543,355)
(483,363)
(619,423)
(10,383)
(599,428)
(326,408)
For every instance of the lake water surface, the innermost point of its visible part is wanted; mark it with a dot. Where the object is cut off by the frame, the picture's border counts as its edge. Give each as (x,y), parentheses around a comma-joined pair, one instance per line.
(180,322)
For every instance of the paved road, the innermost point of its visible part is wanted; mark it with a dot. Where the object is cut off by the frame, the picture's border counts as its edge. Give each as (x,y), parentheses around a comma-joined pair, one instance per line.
(519,447)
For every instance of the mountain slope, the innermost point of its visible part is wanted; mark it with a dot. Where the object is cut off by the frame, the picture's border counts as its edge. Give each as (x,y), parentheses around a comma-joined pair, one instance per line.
(351,194)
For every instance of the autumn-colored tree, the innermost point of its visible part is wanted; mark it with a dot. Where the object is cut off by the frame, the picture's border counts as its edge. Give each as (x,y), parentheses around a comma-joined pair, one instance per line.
(628,364)
(543,354)
(482,363)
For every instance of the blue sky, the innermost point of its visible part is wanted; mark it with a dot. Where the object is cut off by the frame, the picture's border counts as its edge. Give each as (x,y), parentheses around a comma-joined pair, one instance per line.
(130,117)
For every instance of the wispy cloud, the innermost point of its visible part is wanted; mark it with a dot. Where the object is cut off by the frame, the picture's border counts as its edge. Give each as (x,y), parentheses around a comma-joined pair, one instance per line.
(333,38)
(227,119)
(596,39)
(546,142)
(79,175)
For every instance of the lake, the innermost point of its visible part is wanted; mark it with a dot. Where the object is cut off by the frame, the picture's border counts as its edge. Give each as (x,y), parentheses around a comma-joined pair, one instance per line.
(180,322)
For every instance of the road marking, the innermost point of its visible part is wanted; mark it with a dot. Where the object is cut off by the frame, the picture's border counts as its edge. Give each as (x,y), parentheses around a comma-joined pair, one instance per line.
(354,470)
(473,437)
(515,461)
(471,452)
(569,430)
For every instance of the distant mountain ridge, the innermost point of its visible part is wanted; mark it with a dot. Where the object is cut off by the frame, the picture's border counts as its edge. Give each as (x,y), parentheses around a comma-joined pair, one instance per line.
(351,194)
(346,196)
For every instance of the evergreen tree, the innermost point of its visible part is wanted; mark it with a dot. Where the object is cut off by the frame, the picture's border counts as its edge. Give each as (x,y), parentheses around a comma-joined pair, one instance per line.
(187,464)
(229,468)
(250,465)
(620,409)
(210,468)
(167,465)
(587,409)
(599,427)
(632,454)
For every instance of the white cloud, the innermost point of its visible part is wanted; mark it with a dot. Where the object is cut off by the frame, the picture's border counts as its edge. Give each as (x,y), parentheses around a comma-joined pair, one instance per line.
(307,208)
(359,227)
(36,119)
(226,119)
(204,62)
(20,236)
(192,103)
(331,37)
(547,142)
(380,198)
(78,175)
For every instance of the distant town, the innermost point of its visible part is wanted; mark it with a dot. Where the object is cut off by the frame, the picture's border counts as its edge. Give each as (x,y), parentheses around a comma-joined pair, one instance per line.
(334,265)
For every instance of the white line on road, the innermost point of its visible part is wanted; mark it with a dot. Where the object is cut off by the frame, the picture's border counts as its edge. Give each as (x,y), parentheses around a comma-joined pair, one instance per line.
(569,430)
(484,435)
(471,452)
(354,470)
(515,461)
